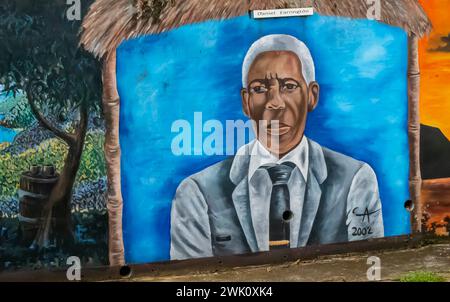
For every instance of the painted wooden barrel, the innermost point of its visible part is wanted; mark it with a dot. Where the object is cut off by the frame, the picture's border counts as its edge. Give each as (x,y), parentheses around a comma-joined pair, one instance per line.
(35,188)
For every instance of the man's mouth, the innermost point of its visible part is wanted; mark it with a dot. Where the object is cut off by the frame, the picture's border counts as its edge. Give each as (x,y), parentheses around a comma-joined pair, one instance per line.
(278,129)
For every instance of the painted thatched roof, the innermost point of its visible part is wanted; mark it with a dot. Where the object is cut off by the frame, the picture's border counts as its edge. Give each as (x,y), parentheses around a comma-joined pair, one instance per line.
(109,22)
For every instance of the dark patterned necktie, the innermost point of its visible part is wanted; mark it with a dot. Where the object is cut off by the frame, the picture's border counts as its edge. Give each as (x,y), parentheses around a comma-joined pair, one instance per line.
(280,213)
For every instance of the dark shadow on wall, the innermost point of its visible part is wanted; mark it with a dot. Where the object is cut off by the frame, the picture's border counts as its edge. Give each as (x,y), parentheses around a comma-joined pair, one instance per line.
(435,153)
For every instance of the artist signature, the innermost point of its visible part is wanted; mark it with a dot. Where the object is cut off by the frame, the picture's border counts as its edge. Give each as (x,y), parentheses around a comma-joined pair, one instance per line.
(364,214)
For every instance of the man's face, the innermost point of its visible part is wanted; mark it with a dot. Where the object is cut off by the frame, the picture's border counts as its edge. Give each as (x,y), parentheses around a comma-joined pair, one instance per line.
(278,96)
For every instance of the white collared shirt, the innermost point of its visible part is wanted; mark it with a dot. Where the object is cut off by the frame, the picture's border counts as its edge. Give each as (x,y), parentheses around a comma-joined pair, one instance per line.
(260,189)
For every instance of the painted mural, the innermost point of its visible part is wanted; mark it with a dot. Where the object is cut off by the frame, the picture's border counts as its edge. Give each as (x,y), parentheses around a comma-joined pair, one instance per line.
(201,190)
(237,135)
(435,113)
(310,194)
(52,168)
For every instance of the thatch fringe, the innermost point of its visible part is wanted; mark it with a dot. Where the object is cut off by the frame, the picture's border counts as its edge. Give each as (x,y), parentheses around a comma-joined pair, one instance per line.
(109,22)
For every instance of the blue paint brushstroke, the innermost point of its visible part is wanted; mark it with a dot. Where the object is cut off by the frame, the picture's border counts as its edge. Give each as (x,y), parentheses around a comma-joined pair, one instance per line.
(6,135)
(361,66)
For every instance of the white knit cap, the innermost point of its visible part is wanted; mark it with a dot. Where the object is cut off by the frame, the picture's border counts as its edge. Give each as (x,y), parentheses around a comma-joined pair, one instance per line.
(280,43)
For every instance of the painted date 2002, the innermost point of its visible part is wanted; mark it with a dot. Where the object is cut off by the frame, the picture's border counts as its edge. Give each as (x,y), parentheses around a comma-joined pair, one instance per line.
(362,231)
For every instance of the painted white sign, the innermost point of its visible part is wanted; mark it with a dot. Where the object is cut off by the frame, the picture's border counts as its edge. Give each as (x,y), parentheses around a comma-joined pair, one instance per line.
(283,13)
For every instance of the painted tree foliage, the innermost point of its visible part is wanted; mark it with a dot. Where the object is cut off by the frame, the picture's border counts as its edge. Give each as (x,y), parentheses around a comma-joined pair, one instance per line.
(41,59)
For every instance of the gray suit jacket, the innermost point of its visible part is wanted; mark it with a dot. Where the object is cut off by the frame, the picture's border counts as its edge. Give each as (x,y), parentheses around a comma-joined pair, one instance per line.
(211,209)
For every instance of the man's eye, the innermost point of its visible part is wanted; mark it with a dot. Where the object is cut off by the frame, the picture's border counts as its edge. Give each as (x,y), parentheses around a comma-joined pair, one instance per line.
(290,86)
(259,89)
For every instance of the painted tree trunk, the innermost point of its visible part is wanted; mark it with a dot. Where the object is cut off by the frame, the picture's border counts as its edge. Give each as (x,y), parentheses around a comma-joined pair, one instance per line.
(111,107)
(415,178)
(61,195)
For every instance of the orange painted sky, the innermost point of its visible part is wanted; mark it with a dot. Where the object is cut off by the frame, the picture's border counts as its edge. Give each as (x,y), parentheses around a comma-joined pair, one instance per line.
(435,66)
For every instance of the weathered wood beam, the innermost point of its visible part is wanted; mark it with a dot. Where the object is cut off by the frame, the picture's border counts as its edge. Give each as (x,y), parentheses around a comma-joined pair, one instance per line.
(111,109)
(415,177)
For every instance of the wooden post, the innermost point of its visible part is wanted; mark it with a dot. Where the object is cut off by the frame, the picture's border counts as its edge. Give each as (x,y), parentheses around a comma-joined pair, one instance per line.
(111,108)
(415,177)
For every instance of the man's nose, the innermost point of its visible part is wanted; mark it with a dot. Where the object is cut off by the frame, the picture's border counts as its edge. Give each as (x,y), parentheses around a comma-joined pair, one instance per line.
(275,101)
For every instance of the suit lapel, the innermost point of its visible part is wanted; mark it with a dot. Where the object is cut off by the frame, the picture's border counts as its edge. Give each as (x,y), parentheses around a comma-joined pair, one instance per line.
(239,176)
(310,206)
(317,173)
(242,206)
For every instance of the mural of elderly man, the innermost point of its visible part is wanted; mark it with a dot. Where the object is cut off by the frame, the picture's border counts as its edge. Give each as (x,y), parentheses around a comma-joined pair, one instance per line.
(287,194)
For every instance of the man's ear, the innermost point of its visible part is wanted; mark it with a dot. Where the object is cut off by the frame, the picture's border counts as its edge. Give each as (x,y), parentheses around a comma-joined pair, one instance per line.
(313,95)
(245,102)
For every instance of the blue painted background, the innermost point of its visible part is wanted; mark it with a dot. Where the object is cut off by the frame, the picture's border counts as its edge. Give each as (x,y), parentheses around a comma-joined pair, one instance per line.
(361,66)
(6,135)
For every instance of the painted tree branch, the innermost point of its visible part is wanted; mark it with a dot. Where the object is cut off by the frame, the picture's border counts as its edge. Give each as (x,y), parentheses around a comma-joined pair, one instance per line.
(84,117)
(4,124)
(70,139)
